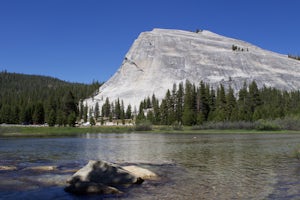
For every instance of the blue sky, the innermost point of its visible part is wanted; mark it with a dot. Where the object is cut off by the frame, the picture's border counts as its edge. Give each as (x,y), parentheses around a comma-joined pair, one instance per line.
(86,40)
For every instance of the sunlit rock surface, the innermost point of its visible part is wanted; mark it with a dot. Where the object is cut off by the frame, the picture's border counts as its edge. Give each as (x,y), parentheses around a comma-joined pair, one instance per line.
(160,58)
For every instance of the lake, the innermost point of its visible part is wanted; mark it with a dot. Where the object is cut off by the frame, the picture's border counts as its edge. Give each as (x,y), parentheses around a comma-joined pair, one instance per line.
(190,166)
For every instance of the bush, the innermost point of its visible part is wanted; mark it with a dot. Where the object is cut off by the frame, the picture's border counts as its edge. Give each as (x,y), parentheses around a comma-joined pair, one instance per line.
(267,126)
(226,125)
(177,126)
(143,126)
(288,123)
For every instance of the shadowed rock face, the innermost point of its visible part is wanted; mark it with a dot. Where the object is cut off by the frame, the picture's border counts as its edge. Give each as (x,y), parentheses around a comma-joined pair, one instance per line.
(160,58)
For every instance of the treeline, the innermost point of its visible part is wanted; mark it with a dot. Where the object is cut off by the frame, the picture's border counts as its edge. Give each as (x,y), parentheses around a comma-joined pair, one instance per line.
(110,111)
(31,99)
(188,104)
(294,57)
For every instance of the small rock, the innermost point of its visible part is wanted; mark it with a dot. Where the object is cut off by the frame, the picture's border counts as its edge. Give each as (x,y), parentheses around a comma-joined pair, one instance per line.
(42,168)
(141,172)
(7,168)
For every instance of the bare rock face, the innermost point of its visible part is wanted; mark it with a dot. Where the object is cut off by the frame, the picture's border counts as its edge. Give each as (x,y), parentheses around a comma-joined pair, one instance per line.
(160,58)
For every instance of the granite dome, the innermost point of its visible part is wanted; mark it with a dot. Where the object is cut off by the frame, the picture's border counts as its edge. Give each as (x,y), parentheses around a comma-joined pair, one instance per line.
(161,57)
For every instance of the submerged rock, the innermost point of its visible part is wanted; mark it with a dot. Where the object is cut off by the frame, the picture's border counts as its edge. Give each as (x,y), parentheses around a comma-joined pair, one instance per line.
(7,168)
(42,168)
(84,187)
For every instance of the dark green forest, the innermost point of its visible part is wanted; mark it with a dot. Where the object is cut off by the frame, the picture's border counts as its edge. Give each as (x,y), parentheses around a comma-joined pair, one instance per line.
(191,104)
(195,105)
(32,99)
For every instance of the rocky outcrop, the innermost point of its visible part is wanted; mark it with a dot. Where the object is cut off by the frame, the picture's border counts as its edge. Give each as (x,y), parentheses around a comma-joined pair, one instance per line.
(159,58)
(104,178)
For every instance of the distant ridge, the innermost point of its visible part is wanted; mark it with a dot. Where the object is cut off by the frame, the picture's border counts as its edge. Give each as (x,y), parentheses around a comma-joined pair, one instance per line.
(161,57)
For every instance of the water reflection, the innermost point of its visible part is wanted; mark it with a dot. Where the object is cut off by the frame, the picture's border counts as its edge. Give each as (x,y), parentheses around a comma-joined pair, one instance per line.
(213,166)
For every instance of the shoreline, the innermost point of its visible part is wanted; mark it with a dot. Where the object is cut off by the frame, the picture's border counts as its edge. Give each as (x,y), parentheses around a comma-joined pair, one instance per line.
(44,131)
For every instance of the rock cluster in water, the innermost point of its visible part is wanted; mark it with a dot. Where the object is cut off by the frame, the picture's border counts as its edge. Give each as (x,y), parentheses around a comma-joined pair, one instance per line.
(100,177)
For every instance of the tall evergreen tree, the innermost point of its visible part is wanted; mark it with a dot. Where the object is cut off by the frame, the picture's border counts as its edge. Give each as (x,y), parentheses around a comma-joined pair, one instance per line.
(245,113)
(220,104)
(128,112)
(52,118)
(189,108)
(106,109)
(39,114)
(156,111)
(179,103)
(231,111)
(97,111)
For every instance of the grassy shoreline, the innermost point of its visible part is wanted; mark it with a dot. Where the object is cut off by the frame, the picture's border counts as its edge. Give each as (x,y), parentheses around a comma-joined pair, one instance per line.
(29,131)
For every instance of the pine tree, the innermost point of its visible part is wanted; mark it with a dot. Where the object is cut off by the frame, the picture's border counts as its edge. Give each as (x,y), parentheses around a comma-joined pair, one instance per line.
(39,114)
(189,109)
(106,109)
(128,112)
(52,118)
(72,119)
(156,110)
(69,104)
(202,103)
(117,109)
(231,113)
(179,103)
(164,112)
(122,117)
(141,116)
(245,113)
(254,97)
(220,104)
(97,111)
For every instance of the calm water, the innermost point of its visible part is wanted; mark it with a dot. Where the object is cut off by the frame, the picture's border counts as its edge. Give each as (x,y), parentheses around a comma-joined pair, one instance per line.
(212,166)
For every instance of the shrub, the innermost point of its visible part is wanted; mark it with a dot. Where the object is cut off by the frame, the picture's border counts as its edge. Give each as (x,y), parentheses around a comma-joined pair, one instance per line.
(177,126)
(267,126)
(226,125)
(143,126)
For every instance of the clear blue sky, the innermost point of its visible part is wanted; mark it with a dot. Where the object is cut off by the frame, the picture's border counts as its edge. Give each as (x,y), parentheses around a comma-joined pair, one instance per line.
(86,40)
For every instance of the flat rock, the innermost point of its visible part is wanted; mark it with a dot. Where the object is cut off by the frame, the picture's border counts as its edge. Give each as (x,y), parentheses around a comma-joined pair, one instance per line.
(7,168)
(141,172)
(42,168)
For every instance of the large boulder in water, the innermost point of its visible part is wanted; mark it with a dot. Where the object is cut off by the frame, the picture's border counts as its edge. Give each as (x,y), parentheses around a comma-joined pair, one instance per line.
(101,177)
